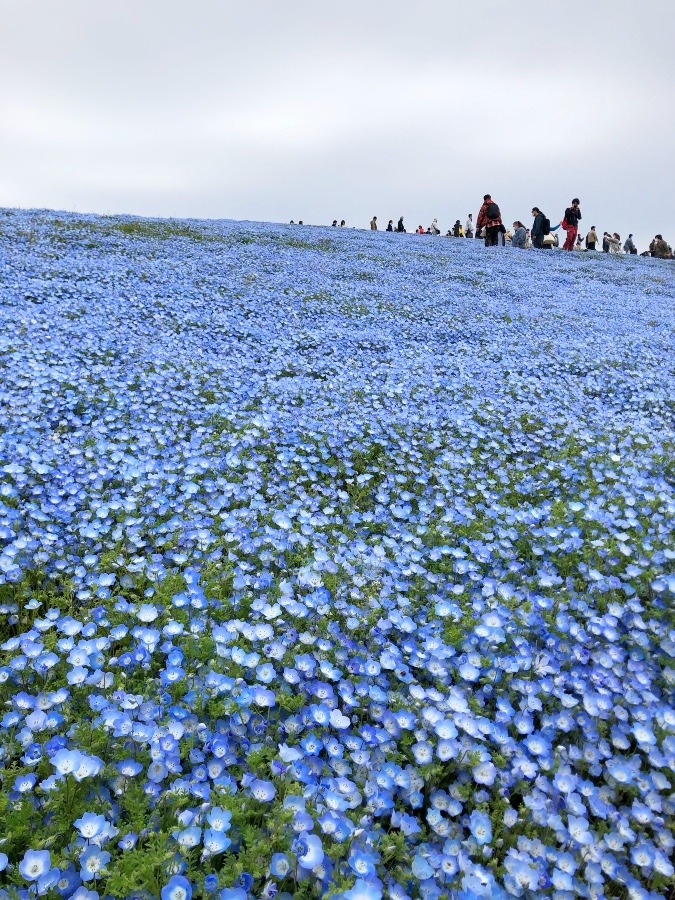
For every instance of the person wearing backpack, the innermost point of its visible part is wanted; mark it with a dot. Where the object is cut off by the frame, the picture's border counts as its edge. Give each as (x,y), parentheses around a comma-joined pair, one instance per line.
(540,228)
(571,224)
(629,246)
(490,218)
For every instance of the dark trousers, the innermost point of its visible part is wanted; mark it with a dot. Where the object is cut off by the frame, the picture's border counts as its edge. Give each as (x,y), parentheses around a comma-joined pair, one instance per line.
(491,234)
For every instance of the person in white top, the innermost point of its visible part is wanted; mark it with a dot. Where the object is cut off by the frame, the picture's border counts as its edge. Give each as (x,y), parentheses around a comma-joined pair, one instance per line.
(614,242)
(468,228)
(434,227)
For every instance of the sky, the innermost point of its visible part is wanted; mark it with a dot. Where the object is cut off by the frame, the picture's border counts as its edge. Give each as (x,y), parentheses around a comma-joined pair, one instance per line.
(305,110)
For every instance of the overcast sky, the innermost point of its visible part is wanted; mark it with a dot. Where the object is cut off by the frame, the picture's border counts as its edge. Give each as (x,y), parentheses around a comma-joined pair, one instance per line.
(308,110)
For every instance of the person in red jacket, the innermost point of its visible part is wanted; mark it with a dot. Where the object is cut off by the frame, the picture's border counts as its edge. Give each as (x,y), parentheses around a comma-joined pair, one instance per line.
(490,218)
(571,220)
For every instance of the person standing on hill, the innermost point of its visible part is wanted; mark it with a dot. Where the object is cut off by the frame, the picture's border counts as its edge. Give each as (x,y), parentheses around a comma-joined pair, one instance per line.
(400,227)
(468,228)
(591,238)
(490,218)
(571,220)
(629,246)
(373,223)
(540,228)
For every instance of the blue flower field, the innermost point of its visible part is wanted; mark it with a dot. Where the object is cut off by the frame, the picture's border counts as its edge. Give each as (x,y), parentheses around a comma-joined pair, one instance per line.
(332,564)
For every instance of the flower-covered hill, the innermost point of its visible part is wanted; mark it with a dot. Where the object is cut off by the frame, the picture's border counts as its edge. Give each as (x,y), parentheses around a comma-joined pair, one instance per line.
(332,563)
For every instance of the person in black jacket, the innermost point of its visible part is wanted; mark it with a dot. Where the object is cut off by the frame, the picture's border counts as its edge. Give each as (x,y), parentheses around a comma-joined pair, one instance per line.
(572,216)
(537,233)
(400,227)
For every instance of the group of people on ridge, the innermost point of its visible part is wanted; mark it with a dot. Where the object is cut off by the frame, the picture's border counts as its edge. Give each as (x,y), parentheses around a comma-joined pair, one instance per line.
(542,235)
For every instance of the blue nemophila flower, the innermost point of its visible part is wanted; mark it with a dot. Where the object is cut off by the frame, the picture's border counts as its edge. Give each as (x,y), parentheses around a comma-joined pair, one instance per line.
(523,873)
(245,880)
(93,862)
(485,773)
(128,841)
(263,791)
(579,830)
(83,894)
(215,842)
(481,827)
(48,881)
(129,768)
(23,784)
(177,888)
(157,771)
(211,883)
(35,864)
(308,850)
(279,865)
(363,890)
(90,825)
(189,837)
(361,863)
(421,868)
(423,753)
(68,881)
(219,819)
